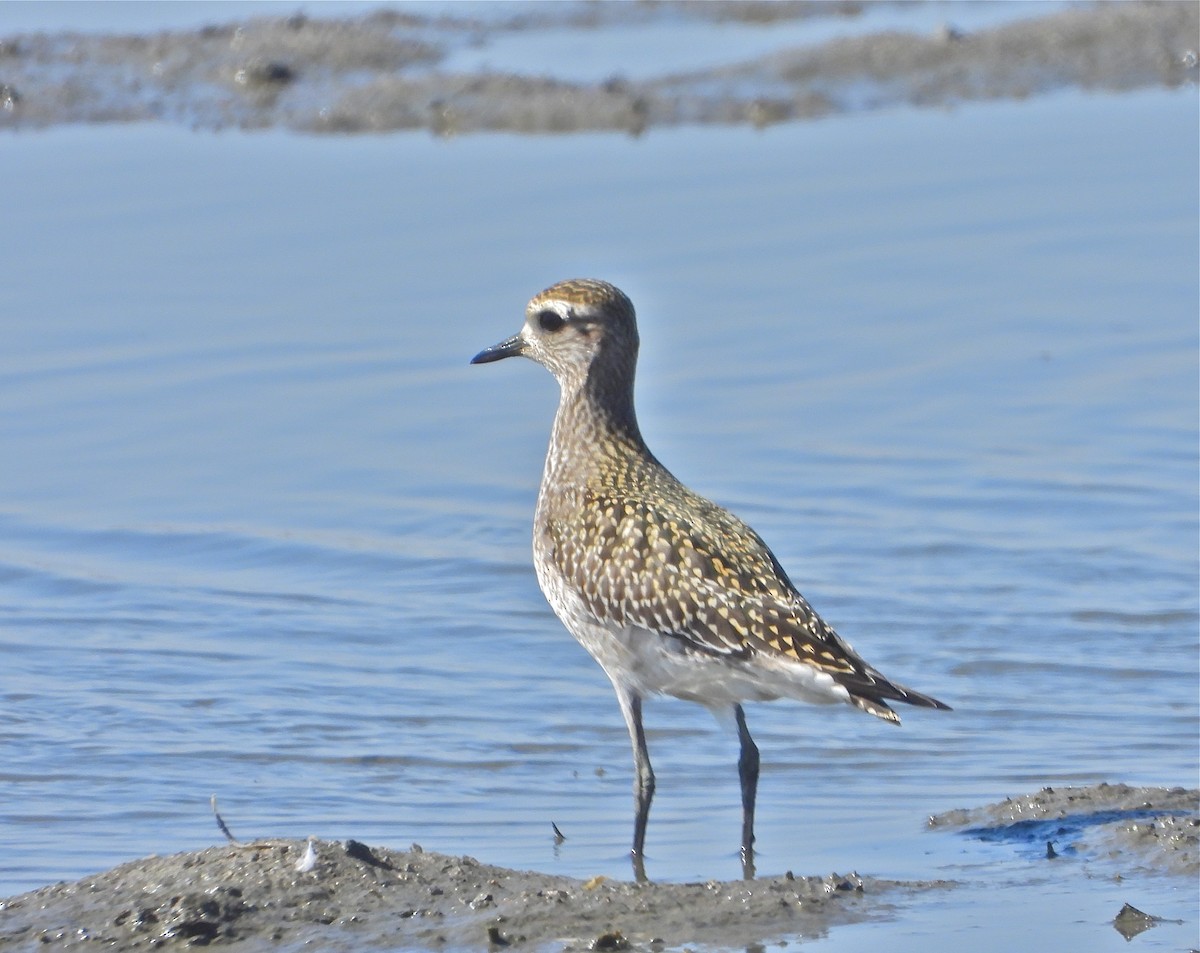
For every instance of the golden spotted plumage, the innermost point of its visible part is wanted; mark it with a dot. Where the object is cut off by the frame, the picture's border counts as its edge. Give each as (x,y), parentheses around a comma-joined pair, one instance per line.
(642,549)
(668,591)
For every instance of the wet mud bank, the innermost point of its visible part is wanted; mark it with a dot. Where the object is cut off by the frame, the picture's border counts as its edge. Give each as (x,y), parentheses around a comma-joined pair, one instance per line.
(383,71)
(1133,829)
(344,895)
(360,898)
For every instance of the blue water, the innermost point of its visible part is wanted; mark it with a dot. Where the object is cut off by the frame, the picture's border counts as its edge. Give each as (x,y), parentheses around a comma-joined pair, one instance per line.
(265,534)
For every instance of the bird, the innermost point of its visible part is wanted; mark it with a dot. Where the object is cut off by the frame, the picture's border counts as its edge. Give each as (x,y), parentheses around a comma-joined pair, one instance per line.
(668,591)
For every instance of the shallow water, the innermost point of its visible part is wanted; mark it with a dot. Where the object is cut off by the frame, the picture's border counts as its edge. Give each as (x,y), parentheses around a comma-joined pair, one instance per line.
(264,533)
(685,39)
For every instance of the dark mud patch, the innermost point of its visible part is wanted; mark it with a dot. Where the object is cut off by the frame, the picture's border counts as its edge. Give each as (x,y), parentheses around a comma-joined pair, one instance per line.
(360,898)
(381,72)
(1133,828)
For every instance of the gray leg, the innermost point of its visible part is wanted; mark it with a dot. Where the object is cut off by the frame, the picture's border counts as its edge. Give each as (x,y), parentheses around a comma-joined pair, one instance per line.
(748,773)
(643,781)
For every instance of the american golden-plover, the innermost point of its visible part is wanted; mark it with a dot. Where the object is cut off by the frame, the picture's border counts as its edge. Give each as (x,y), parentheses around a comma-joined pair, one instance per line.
(669,592)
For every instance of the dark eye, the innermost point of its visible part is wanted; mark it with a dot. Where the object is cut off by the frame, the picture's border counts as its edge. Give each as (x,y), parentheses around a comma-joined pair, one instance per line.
(550,320)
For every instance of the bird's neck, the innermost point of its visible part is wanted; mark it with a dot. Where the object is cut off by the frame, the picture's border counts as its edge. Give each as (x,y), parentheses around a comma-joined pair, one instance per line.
(595,423)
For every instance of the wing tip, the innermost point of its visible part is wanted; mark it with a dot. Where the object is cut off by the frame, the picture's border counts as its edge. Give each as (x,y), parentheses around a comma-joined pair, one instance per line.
(924,701)
(881,709)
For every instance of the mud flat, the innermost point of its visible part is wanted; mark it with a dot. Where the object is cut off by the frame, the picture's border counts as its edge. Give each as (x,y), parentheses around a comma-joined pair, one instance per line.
(1133,829)
(358,898)
(383,71)
(347,896)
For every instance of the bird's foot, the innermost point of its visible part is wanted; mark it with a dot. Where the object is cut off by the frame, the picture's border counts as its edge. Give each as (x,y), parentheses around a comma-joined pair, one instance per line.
(639,867)
(747,862)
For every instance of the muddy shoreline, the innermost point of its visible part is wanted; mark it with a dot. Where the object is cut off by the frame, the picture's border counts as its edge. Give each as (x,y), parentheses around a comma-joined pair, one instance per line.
(382,71)
(344,895)
(361,898)
(1137,829)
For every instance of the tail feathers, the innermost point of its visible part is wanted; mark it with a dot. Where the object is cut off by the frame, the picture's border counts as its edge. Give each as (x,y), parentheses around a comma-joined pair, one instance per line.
(873,698)
(880,709)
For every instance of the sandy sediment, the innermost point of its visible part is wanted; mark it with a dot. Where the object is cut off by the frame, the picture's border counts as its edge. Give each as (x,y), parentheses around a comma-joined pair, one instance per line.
(357,898)
(382,71)
(1136,829)
(350,897)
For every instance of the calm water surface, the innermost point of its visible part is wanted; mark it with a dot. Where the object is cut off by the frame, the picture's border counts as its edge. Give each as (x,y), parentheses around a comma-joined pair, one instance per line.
(265,534)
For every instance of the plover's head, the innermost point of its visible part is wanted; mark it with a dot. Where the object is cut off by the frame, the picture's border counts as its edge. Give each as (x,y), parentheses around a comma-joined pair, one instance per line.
(571,327)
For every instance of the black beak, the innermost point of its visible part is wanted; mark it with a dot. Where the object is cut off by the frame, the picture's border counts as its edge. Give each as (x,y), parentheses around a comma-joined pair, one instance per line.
(513,347)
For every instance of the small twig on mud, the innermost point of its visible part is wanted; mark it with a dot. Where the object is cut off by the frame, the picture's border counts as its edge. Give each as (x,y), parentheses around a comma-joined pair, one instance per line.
(221,822)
